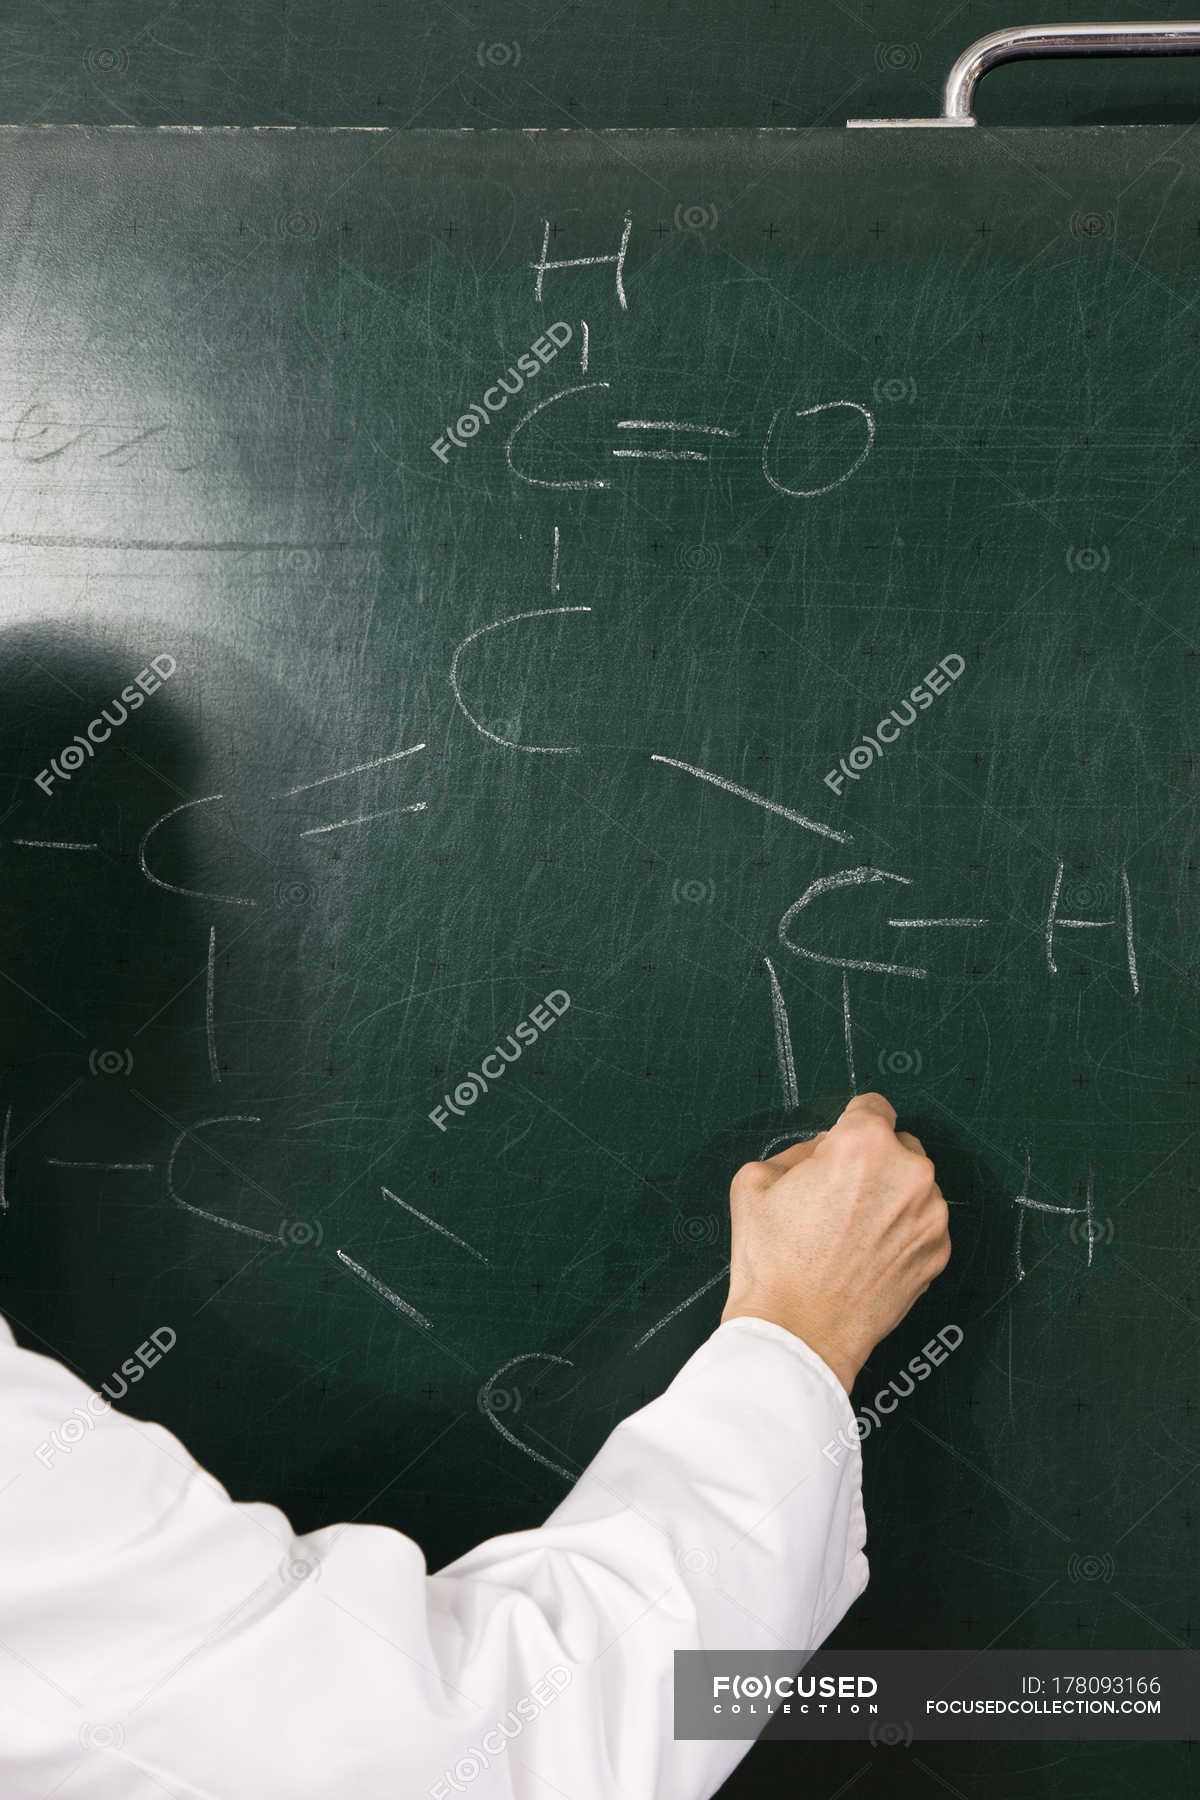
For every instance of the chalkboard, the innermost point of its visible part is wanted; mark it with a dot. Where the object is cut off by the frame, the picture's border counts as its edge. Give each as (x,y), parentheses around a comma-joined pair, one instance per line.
(631,63)
(535,664)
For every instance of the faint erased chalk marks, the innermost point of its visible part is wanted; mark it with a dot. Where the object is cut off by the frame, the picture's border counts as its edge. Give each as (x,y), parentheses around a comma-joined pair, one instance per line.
(433,1224)
(172,887)
(544,612)
(983,1475)
(771,806)
(54,542)
(385,1292)
(488,1396)
(682,1307)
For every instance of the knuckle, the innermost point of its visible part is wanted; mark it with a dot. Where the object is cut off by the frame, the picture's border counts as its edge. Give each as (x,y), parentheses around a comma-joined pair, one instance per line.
(751,1178)
(867,1128)
(874,1094)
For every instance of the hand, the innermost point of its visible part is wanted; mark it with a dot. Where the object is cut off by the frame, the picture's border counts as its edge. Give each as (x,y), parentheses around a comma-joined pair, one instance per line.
(834,1239)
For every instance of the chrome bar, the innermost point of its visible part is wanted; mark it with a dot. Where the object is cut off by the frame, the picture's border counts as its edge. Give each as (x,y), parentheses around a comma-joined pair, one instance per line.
(1133,37)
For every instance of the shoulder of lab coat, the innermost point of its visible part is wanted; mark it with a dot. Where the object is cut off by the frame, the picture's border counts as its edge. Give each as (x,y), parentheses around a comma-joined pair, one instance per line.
(159,1636)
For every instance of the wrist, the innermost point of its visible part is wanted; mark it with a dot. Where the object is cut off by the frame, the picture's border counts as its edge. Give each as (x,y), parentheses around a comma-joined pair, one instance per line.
(843,1363)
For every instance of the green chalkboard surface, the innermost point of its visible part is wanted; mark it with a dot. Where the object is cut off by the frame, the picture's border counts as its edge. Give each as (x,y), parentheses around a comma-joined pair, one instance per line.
(555,63)
(534,665)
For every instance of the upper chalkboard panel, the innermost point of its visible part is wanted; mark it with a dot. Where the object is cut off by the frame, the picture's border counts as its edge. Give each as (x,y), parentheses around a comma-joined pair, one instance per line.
(533,665)
(630,63)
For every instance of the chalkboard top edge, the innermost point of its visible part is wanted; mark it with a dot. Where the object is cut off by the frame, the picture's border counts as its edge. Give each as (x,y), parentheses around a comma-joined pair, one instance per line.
(578,131)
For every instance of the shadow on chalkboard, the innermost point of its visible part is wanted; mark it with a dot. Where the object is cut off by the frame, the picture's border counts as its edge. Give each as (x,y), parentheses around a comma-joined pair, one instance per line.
(122,909)
(79,953)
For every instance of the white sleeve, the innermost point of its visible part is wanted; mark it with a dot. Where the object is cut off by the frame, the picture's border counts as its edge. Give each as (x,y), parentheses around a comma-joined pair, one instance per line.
(157,1638)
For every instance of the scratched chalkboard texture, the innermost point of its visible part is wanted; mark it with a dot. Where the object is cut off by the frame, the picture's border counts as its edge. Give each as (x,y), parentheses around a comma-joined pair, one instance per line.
(713,615)
(556,63)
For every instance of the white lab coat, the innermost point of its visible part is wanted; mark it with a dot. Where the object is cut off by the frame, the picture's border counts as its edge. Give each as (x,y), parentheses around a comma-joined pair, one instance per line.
(158,1639)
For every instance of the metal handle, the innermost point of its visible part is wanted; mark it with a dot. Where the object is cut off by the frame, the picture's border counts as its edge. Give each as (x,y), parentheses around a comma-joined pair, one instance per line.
(1146,37)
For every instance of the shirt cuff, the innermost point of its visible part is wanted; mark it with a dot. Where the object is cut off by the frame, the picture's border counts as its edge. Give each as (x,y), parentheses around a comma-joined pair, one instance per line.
(836,1447)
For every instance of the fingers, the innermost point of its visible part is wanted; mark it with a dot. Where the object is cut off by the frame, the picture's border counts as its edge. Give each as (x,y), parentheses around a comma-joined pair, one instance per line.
(756,1177)
(910,1142)
(870,1106)
(794,1153)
